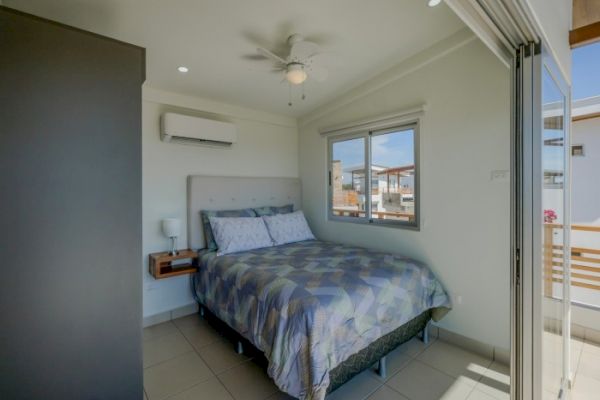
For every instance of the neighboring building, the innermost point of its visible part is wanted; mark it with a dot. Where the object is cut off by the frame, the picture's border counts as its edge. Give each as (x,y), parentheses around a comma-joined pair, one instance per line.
(585,141)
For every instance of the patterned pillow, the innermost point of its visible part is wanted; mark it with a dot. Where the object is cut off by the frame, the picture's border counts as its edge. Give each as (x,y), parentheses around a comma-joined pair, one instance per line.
(239,234)
(288,228)
(271,210)
(206,214)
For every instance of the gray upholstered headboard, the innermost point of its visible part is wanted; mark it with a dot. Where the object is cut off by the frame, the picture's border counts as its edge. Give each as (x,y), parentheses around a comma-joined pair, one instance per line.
(229,193)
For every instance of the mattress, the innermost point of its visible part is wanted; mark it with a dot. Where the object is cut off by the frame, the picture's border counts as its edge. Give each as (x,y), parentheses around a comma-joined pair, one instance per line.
(309,306)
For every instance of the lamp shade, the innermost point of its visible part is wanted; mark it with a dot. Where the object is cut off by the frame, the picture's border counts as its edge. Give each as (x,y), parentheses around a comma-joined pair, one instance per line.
(171,227)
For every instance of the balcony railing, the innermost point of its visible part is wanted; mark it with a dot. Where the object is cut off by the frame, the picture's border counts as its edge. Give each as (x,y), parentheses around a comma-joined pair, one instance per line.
(585,262)
(342,212)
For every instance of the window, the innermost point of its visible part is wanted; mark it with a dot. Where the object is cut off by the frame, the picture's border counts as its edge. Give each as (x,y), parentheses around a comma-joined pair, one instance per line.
(577,150)
(385,192)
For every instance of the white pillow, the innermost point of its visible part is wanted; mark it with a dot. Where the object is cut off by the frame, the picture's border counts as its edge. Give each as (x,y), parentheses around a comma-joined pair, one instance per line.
(239,234)
(288,228)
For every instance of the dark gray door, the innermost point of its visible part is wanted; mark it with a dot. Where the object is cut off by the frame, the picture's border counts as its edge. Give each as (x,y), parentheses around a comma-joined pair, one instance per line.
(70,213)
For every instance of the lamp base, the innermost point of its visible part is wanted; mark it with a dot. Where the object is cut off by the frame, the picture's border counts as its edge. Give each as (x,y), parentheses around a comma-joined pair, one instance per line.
(173,251)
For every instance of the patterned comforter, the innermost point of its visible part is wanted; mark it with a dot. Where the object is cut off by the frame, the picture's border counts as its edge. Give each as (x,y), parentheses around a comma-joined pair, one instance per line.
(310,305)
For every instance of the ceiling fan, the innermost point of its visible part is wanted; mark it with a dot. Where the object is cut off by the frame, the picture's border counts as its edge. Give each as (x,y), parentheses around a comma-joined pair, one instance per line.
(303,61)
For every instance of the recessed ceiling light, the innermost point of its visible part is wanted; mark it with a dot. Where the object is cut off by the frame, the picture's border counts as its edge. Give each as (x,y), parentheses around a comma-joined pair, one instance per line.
(183,69)
(433,3)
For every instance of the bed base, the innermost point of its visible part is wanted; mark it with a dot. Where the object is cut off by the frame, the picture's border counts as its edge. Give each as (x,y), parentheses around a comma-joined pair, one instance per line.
(372,355)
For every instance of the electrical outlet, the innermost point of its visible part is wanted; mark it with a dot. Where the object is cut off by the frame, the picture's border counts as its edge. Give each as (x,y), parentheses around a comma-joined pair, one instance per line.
(457,299)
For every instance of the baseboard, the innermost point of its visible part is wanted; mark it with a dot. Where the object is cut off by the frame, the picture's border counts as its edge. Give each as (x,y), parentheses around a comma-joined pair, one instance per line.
(171,314)
(579,332)
(485,350)
(492,352)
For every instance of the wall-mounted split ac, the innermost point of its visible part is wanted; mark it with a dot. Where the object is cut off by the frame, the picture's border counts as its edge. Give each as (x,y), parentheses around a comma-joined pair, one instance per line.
(185,129)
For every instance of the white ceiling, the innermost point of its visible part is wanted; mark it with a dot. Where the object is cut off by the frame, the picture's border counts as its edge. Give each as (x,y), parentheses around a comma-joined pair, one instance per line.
(211,38)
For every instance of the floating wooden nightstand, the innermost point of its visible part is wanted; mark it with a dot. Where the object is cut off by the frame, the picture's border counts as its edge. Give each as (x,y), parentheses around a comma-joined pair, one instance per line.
(161,264)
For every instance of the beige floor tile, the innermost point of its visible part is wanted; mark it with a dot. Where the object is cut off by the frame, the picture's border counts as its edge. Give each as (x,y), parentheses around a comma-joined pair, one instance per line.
(553,353)
(396,360)
(419,381)
(164,348)
(547,395)
(220,356)
(357,388)
(589,365)
(248,381)
(585,388)
(455,361)
(386,393)
(551,377)
(174,376)
(197,331)
(496,381)
(156,331)
(415,346)
(211,389)
(479,395)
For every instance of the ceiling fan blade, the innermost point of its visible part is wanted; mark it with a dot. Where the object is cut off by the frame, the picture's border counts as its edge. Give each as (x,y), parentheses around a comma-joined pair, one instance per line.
(319,74)
(274,57)
(302,50)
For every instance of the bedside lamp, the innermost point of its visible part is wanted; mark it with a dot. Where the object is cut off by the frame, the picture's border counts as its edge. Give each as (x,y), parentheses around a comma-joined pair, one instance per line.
(171,228)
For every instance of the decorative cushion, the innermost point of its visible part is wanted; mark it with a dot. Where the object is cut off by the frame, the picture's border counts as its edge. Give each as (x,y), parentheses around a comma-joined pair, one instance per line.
(239,234)
(206,214)
(288,228)
(271,210)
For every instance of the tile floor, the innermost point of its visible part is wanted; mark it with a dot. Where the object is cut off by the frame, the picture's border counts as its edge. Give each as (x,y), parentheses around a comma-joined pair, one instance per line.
(187,359)
(585,367)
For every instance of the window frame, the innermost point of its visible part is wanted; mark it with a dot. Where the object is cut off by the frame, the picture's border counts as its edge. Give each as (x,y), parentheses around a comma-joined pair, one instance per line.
(367,135)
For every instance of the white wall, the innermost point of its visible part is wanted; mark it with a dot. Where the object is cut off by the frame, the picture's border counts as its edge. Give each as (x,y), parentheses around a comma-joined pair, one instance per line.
(585,191)
(465,134)
(267,146)
(555,19)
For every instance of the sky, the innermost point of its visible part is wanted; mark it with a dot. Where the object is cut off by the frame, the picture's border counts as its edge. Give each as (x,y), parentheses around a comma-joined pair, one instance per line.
(389,150)
(586,71)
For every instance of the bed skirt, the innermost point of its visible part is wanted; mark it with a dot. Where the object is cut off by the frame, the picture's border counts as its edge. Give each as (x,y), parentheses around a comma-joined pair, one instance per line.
(368,356)
(356,363)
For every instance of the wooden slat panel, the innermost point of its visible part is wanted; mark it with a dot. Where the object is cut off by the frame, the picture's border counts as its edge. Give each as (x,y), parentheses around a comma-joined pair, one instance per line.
(584,35)
(585,12)
(585,250)
(585,259)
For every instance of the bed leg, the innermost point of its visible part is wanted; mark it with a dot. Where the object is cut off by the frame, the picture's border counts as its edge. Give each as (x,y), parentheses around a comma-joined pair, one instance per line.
(239,347)
(382,368)
(425,334)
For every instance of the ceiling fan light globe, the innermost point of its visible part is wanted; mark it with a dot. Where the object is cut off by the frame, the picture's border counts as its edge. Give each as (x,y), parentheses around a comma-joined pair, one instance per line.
(295,74)
(433,3)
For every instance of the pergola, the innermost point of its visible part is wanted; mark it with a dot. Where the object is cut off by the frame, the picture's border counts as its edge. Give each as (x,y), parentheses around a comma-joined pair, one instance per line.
(403,171)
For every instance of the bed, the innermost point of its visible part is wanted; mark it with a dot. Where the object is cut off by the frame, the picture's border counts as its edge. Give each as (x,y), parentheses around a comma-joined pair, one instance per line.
(320,312)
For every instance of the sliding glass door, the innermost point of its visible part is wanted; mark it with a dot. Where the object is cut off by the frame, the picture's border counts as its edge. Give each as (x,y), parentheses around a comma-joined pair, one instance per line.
(553,265)
(541,294)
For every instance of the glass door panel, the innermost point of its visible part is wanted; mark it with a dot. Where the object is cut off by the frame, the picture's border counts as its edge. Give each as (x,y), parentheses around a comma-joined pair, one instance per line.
(554,247)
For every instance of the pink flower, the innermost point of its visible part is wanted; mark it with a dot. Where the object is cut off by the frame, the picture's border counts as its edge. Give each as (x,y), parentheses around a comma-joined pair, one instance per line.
(549,216)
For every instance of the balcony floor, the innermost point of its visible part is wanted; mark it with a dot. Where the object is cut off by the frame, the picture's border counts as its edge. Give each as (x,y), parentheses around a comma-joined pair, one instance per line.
(585,368)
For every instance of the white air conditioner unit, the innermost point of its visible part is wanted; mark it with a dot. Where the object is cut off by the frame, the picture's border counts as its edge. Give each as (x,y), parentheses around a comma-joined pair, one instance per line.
(179,128)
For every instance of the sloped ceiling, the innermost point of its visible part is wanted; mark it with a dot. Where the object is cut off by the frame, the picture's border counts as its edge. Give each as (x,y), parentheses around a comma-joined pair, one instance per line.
(214,39)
